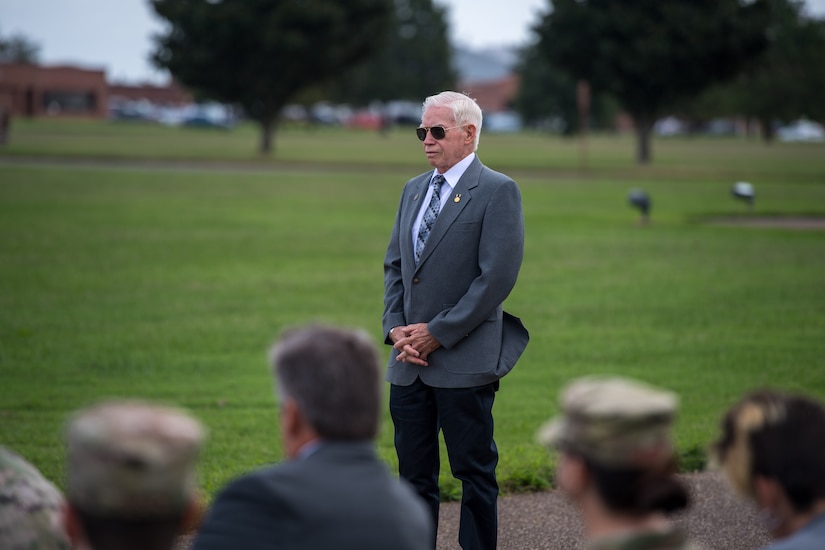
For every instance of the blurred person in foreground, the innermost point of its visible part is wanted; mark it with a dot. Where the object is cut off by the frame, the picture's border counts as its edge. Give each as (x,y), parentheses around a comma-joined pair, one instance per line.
(772,449)
(617,463)
(131,476)
(30,507)
(333,491)
(452,259)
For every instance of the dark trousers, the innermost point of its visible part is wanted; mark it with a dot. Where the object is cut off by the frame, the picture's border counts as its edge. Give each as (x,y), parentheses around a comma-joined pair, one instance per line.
(465,416)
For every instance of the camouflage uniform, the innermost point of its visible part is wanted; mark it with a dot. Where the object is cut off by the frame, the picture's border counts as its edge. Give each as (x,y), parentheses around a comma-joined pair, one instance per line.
(615,422)
(673,539)
(30,507)
(618,423)
(132,460)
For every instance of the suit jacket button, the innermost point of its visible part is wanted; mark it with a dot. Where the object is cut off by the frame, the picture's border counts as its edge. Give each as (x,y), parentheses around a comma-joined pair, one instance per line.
(416,281)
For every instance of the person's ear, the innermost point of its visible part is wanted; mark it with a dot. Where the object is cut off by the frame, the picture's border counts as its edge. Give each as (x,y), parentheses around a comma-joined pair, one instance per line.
(291,418)
(295,430)
(766,491)
(470,136)
(193,514)
(775,509)
(73,526)
(572,475)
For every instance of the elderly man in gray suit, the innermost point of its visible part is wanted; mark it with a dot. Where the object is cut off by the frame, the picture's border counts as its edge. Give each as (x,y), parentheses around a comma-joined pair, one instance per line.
(453,257)
(333,491)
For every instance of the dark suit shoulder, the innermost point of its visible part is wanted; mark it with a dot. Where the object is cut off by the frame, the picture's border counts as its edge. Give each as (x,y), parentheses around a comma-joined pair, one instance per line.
(496,177)
(243,513)
(341,496)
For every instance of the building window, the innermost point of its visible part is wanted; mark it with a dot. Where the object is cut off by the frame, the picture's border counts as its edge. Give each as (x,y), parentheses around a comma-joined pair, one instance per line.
(67,102)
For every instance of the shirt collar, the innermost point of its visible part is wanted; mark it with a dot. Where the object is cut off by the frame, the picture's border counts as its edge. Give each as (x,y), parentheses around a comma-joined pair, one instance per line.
(309,449)
(454,174)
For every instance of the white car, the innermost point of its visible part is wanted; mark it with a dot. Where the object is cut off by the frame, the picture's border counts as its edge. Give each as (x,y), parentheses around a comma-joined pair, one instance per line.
(801,130)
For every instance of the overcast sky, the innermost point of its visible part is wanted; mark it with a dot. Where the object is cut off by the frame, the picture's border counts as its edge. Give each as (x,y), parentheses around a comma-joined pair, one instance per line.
(116,34)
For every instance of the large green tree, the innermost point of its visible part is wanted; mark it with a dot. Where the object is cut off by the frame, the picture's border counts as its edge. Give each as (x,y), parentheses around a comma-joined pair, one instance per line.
(18,49)
(788,82)
(651,54)
(785,83)
(415,63)
(259,54)
(547,97)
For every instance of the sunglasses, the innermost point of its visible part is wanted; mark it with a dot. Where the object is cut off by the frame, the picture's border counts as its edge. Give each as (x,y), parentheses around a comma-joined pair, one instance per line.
(438,132)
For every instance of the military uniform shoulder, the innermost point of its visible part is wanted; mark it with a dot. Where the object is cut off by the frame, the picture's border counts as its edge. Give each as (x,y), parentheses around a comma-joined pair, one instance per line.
(30,507)
(671,539)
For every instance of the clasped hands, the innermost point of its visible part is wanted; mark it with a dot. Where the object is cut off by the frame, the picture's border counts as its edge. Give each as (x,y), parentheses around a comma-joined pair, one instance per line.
(414,343)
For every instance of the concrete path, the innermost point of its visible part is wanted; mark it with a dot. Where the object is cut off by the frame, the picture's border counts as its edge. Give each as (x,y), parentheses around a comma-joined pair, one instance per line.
(717,520)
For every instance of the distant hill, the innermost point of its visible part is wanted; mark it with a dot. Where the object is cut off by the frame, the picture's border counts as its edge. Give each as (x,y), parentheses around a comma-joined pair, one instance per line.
(484,65)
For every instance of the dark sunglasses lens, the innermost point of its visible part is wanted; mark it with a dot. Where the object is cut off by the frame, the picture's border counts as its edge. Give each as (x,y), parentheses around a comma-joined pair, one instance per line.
(436,131)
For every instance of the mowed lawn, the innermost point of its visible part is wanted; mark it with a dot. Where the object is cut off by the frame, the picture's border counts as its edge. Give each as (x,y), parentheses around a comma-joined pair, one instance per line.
(148,262)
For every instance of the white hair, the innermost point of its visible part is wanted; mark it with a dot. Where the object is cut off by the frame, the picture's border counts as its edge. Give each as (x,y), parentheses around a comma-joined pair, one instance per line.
(464,108)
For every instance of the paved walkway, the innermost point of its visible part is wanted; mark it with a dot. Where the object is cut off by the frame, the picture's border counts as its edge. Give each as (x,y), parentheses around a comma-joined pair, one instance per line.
(717,520)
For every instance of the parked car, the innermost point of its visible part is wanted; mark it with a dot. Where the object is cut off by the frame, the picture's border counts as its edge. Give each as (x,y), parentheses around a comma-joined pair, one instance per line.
(208,115)
(669,126)
(502,122)
(801,130)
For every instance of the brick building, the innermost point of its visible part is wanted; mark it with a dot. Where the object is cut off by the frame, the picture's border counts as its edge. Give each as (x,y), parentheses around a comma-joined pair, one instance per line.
(34,90)
(171,95)
(494,96)
(28,90)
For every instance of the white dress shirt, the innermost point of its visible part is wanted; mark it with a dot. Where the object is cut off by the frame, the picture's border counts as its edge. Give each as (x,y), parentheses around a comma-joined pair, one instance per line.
(451,178)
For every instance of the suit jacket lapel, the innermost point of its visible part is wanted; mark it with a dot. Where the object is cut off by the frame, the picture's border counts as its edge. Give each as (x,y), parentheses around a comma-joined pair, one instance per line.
(419,191)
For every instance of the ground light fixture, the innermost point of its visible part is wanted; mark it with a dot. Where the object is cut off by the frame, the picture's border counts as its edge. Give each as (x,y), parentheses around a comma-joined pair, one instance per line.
(641,201)
(744,191)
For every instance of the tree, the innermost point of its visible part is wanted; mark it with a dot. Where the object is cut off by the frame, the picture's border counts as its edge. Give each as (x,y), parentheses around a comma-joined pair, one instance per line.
(783,84)
(260,54)
(789,79)
(651,54)
(18,49)
(547,96)
(415,63)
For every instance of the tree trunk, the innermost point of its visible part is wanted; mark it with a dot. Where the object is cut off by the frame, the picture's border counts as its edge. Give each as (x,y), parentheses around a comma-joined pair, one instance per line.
(768,133)
(268,129)
(644,127)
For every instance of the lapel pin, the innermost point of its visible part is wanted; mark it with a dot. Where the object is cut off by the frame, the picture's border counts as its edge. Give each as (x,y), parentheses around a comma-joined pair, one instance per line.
(415,198)
(457,197)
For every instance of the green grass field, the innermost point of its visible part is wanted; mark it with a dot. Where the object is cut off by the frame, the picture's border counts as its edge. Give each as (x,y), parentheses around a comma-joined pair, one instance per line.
(140,261)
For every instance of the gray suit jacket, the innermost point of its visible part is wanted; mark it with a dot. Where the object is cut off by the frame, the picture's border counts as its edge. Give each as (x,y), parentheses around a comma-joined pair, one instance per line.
(468,267)
(342,496)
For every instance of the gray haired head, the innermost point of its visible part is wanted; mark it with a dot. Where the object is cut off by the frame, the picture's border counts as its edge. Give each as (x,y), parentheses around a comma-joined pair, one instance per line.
(464,108)
(334,375)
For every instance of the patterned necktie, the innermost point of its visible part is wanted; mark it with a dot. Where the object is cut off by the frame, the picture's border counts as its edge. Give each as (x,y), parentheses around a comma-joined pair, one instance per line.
(429,217)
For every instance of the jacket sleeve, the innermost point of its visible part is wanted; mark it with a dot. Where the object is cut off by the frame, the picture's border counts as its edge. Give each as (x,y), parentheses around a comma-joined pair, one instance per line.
(393,281)
(500,254)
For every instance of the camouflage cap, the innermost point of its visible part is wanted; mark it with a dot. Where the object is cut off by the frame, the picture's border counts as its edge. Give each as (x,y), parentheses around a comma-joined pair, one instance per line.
(131,459)
(30,507)
(614,421)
